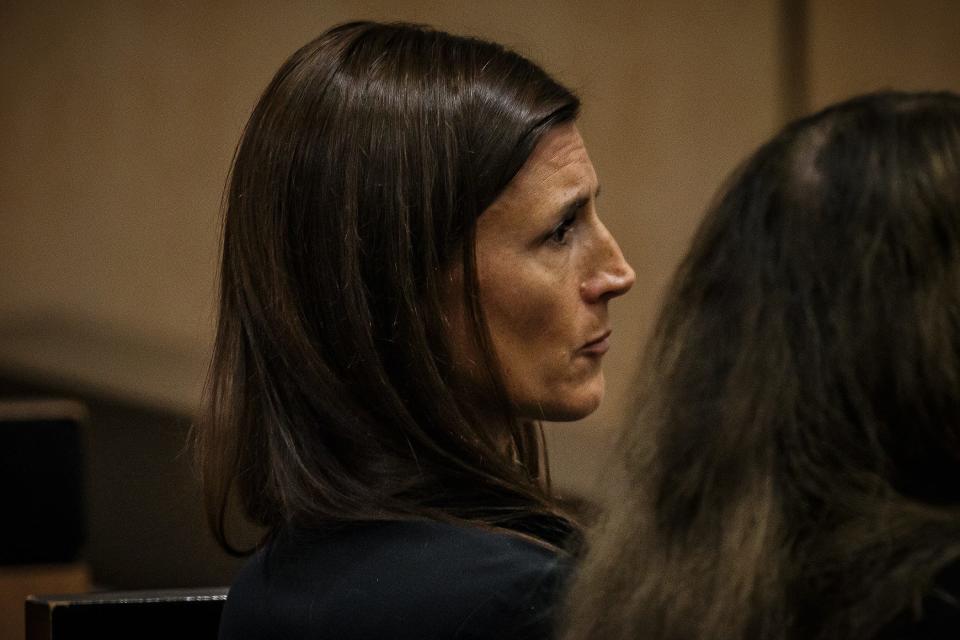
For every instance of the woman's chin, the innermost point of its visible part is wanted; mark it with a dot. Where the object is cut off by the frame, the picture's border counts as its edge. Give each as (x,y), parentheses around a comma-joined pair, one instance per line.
(566,407)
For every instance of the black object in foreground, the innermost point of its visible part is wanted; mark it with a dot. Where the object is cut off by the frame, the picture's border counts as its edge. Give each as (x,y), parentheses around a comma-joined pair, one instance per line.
(185,614)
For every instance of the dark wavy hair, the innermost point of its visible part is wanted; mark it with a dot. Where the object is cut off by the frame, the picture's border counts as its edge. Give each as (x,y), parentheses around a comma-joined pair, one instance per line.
(793,467)
(354,194)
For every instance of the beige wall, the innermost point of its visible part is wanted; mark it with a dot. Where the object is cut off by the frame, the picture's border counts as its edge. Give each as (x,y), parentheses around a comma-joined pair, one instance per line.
(118,120)
(856,46)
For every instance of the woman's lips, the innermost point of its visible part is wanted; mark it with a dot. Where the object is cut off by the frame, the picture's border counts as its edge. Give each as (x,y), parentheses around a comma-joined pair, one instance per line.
(598,346)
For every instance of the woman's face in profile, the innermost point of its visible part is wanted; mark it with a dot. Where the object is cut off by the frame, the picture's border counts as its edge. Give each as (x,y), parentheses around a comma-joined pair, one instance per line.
(547,267)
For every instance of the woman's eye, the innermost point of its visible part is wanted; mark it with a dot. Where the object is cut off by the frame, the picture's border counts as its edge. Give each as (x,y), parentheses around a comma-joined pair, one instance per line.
(559,235)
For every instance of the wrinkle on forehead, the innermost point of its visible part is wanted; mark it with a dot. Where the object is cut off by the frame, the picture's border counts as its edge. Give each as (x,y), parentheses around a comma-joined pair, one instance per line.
(560,147)
(558,169)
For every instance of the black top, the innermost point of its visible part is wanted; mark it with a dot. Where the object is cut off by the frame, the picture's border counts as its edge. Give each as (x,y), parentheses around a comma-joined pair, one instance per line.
(396,580)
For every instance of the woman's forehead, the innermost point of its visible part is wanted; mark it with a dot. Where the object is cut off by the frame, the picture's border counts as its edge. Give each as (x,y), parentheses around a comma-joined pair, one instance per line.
(558,165)
(560,147)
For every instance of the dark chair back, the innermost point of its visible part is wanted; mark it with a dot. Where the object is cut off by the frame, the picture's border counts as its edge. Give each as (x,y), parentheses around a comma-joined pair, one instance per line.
(41,481)
(184,614)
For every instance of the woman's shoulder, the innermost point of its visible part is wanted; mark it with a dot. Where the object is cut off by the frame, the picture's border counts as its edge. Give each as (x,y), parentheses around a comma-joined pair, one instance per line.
(400,580)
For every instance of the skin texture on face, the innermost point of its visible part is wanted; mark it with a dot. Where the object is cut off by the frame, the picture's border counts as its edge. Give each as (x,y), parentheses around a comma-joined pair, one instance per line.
(547,267)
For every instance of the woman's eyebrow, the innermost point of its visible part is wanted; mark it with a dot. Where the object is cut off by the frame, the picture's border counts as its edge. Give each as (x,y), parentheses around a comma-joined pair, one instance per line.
(573,206)
(577,203)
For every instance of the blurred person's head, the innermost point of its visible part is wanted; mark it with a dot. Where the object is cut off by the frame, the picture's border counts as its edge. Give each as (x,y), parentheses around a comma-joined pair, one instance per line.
(793,466)
(413,273)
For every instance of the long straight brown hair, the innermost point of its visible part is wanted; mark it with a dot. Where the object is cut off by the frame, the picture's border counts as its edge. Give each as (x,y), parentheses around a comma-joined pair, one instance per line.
(354,193)
(793,467)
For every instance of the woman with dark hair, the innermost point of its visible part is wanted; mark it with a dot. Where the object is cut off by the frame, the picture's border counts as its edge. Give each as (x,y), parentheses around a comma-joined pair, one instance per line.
(793,470)
(413,275)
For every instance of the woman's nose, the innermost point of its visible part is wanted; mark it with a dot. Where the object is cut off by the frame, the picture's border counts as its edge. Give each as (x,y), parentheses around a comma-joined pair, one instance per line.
(612,275)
